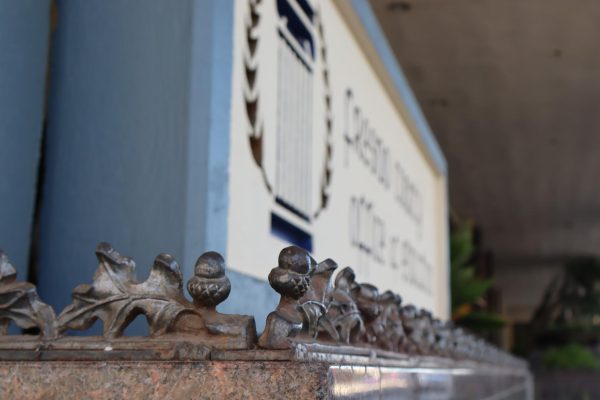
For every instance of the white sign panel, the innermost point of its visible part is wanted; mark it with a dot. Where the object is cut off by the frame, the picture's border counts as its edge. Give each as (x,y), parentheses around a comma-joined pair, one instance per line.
(321,157)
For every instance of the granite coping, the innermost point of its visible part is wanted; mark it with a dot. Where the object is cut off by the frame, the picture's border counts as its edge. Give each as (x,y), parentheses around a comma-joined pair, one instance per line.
(254,380)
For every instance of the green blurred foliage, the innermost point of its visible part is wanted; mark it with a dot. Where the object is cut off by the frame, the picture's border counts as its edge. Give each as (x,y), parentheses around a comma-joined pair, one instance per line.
(481,321)
(571,356)
(567,319)
(466,288)
(570,308)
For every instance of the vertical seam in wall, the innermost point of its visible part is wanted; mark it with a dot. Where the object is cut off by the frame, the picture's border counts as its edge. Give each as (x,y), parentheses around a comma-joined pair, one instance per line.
(194,217)
(33,256)
(219,125)
(209,129)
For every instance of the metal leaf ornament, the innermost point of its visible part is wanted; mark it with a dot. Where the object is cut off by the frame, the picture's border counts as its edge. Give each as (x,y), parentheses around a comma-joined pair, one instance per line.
(116,298)
(20,303)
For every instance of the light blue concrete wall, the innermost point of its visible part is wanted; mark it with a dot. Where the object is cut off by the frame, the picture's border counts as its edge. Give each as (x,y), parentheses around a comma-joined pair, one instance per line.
(210,105)
(24,28)
(118,137)
(138,141)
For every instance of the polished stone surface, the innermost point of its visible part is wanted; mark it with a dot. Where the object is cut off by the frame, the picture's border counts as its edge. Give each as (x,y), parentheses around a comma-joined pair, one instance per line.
(255,380)
(360,382)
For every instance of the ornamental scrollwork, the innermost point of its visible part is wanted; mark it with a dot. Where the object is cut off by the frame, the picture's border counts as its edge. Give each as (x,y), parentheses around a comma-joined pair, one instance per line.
(316,307)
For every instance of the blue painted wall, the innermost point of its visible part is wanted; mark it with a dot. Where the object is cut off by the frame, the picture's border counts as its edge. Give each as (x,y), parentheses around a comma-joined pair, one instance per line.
(210,105)
(138,141)
(118,137)
(24,26)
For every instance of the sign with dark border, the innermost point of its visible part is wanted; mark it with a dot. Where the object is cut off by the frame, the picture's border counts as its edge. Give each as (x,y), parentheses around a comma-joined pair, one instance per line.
(323,154)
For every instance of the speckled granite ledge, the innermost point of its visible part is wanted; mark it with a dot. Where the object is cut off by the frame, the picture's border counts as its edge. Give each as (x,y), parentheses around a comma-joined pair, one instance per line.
(254,380)
(327,339)
(63,380)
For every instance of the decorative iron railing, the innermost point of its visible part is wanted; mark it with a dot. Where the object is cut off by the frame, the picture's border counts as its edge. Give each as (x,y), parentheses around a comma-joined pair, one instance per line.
(316,313)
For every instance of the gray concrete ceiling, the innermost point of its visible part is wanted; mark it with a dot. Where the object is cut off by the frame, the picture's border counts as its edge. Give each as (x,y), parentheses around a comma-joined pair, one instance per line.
(511,89)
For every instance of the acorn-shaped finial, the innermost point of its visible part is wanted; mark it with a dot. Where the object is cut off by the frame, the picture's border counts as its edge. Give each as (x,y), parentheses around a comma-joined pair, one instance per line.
(209,286)
(292,276)
(367,300)
(390,297)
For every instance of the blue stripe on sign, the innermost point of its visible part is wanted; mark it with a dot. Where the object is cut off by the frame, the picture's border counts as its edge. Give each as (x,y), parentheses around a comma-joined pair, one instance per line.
(290,233)
(363,9)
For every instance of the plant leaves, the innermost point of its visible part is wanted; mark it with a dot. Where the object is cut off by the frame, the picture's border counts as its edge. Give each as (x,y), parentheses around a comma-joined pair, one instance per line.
(466,288)
(481,321)
(461,245)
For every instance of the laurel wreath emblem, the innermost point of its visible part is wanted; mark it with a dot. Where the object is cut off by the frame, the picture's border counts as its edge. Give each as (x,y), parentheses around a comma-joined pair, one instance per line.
(252,101)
